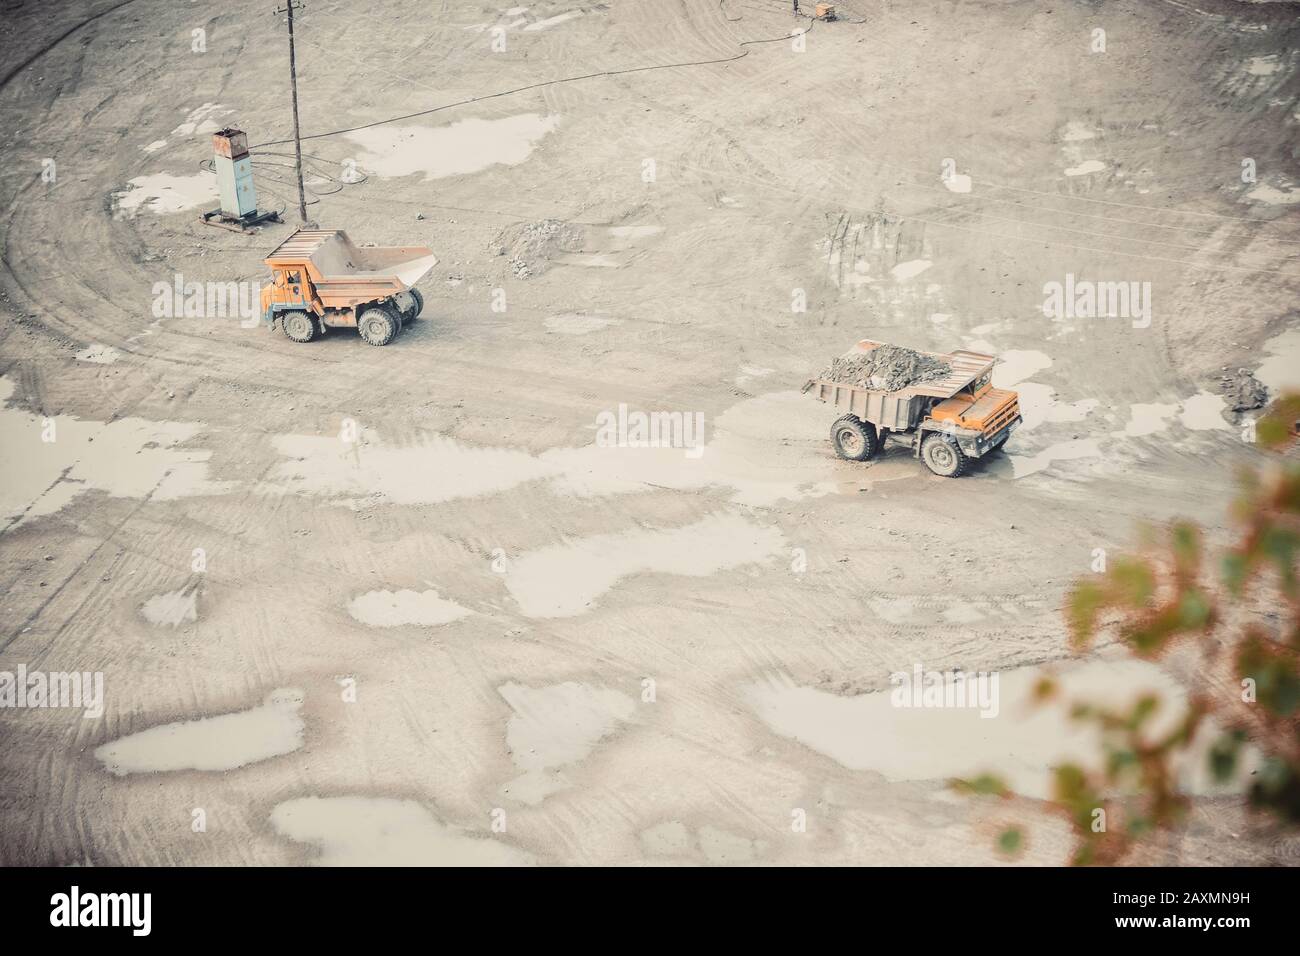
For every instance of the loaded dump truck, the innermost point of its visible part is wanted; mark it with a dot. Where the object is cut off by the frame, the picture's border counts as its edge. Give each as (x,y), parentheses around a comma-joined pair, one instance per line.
(941,406)
(320,280)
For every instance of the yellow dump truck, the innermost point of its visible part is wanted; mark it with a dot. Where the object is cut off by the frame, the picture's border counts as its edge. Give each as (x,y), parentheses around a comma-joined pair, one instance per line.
(320,280)
(946,421)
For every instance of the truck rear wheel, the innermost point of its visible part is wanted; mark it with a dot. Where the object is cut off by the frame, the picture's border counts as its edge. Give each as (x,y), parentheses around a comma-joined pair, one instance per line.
(419,304)
(298,326)
(406,305)
(377,326)
(943,457)
(854,439)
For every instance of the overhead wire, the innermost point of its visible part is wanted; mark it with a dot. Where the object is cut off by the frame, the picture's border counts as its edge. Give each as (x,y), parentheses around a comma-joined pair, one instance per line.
(536,86)
(745,44)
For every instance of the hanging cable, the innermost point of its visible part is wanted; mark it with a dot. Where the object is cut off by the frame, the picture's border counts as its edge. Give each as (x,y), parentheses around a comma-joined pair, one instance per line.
(537,86)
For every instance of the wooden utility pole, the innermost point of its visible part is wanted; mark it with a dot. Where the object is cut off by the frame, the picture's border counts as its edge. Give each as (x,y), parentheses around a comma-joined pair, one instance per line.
(289,7)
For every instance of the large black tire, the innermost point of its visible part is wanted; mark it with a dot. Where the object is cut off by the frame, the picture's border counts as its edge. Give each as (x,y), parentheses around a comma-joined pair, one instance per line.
(412,309)
(943,457)
(298,326)
(854,439)
(419,304)
(378,326)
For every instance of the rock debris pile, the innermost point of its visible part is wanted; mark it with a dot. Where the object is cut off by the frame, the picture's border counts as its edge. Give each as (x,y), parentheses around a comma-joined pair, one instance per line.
(886,367)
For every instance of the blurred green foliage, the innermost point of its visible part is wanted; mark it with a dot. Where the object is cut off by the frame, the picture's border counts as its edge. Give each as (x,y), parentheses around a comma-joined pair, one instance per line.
(1164,597)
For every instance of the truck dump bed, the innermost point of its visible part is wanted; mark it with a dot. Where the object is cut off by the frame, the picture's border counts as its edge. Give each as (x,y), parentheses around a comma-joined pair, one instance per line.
(900,409)
(344,274)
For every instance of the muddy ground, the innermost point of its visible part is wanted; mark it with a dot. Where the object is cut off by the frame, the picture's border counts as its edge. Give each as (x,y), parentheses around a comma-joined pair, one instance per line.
(411,604)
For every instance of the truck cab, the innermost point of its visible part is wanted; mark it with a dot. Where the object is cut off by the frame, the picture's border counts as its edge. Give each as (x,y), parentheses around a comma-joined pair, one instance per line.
(982,417)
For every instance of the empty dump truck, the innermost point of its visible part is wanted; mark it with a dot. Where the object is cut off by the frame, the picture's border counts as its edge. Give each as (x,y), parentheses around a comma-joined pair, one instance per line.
(946,421)
(320,280)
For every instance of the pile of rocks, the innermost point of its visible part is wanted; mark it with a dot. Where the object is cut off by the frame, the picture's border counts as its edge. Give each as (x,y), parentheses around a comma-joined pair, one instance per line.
(886,367)
(531,245)
(1242,390)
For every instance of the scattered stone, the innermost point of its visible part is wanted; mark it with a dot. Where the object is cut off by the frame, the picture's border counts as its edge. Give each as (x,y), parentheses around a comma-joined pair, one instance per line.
(531,245)
(1242,390)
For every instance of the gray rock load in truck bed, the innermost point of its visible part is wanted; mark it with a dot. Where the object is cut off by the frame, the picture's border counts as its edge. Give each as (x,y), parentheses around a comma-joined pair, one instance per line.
(886,368)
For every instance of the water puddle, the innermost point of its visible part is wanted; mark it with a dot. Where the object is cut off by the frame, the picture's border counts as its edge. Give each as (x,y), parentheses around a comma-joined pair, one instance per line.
(763,449)
(1021,744)
(201,120)
(1039,404)
(1149,419)
(163,193)
(909,270)
(466,146)
(1273,196)
(1014,365)
(1201,412)
(1085,168)
(553,21)
(555,726)
(399,608)
(1280,371)
(1204,412)
(173,608)
(563,580)
(223,742)
(47,463)
(1072,134)
(1023,465)
(380,831)
(1263,65)
(434,470)
(98,354)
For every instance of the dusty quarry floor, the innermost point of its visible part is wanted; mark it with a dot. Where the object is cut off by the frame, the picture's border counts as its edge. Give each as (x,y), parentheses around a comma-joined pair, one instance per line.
(354,604)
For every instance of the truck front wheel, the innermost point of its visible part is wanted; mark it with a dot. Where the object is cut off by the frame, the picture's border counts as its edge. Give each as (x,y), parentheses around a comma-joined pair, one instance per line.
(854,439)
(298,326)
(377,326)
(943,457)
